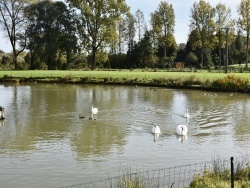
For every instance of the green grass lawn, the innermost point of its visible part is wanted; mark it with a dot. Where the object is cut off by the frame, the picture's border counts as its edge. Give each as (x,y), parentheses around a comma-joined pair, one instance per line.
(202,75)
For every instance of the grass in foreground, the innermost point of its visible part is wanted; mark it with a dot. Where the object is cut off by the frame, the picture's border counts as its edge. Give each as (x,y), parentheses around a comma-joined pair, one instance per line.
(220,177)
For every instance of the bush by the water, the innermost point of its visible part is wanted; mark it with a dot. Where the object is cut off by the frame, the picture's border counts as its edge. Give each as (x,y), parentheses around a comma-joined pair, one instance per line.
(232,83)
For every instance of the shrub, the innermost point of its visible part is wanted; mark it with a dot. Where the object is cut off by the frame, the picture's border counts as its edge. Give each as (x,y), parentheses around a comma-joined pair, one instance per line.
(67,78)
(231,82)
(192,80)
(208,82)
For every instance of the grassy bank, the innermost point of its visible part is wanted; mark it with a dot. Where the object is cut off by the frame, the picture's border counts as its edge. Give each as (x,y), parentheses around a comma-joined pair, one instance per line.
(139,74)
(199,79)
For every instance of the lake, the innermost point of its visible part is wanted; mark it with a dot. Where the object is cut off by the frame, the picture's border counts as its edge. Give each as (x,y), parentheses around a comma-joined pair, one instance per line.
(44,143)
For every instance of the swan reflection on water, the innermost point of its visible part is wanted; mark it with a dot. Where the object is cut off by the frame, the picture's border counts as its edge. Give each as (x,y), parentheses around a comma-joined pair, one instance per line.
(156,131)
(186,115)
(2,123)
(182,138)
(156,135)
(93,117)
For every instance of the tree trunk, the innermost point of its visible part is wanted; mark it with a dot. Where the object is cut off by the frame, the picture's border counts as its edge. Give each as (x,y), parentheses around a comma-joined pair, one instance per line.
(31,60)
(165,51)
(202,56)
(219,49)
(247,50)
(14,58)
(94,50)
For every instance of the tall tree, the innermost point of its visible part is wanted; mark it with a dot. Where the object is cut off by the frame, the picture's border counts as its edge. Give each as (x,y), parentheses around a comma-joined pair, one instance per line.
(98,22)
(130,25)
(223,21)
(143,51)
(51,32)
(140,22)
(202,15)
(130,35)
(163,23)
(244,22)
(12,21)
(121,28)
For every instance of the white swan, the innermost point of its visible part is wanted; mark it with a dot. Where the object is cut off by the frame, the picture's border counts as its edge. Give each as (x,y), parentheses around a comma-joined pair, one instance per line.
(2,113)
(94,110)
(186,114)
(156,129)
(182,130)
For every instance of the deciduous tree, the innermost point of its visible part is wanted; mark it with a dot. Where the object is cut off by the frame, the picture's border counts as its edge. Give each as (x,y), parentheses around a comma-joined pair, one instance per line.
(244,22)
(98,22)
(223,21)
(51,32)
(140,23)
(163,23)
(202,15)
(12,22)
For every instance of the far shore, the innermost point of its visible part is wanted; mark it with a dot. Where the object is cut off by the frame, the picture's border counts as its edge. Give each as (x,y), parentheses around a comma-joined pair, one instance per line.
(179,80)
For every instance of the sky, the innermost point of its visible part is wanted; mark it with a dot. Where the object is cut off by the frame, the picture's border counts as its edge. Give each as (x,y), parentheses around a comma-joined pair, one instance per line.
(182,9)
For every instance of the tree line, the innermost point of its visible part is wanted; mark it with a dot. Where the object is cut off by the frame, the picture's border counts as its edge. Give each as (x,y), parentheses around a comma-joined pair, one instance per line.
(105,34)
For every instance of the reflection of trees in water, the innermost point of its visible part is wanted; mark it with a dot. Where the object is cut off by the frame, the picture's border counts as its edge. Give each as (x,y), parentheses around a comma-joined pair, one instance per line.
(16,135)
(97,138)
(38,112)
(46,111)
(241,121)
(12,140)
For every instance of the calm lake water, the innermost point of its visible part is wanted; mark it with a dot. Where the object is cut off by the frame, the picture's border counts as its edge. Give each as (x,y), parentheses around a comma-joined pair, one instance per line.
(44,143)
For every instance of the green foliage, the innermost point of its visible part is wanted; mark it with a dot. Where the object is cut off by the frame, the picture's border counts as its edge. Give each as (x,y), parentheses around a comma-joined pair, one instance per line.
(203,25)
(85,79)
(34,62)
(116,61)
(191,59)
(129,180)
(6,60)
(221,179)
(12,22)
(22,66)
(192,80)
(163,21)
(78,64)
(209,180)
(51,31)
(101,58)
(97,26)
(61,63)
(208,83)
(155,77)
(151,61)
(67,78)
(232,83)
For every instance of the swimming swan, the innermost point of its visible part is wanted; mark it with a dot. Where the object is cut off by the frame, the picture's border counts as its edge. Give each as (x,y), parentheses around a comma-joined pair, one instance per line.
(94,110)
(156,129)
(181,130)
